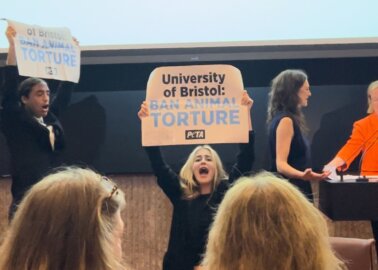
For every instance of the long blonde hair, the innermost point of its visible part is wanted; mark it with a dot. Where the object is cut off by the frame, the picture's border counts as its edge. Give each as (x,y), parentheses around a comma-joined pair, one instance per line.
(264,223)
(65,222)
(188,183)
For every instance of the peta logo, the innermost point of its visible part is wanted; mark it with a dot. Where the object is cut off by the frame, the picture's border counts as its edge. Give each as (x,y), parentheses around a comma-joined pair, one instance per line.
(195,134)
(51,71)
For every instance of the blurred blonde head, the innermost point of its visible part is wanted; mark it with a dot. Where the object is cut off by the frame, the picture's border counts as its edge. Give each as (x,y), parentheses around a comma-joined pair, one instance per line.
(372,86)
(264,223)
(70,220)
(188,182)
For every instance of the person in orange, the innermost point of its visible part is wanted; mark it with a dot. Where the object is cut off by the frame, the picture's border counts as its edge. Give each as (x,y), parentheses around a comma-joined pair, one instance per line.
(364,138)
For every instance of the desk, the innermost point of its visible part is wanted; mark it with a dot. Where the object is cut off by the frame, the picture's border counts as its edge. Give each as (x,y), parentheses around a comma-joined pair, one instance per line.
(349,200)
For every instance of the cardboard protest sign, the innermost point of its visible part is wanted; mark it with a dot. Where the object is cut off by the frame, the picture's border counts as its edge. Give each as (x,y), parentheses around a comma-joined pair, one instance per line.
(195,105)
(46,52)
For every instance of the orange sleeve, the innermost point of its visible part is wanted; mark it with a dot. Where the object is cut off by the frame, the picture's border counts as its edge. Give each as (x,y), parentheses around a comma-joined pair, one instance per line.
(354,145)
(364,138)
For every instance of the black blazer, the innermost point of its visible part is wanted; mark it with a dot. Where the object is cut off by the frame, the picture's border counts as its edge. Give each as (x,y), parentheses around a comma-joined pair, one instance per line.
(28,141)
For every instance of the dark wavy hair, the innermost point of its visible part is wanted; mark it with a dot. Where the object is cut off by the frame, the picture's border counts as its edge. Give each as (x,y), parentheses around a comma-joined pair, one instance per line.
(283,96)
(26,86)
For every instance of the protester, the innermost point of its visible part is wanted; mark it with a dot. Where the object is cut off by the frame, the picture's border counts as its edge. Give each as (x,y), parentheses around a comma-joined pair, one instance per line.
(34,134)
(194,194)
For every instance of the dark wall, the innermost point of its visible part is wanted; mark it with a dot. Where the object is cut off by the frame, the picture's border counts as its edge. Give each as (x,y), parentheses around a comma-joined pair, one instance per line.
(256,73)
(103,130)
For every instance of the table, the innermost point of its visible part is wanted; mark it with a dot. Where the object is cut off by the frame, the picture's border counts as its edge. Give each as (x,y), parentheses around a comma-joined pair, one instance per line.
(349,200)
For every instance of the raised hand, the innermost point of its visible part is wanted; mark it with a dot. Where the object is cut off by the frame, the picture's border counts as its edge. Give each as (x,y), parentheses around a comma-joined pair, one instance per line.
(76,41)
(11,57)
(11,34)
(246,100)
(143,111)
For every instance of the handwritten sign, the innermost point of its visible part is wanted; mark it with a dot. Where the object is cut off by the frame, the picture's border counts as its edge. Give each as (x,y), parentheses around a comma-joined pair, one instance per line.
(195,105)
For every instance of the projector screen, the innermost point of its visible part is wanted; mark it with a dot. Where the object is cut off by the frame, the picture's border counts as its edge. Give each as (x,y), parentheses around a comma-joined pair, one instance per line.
(149,24)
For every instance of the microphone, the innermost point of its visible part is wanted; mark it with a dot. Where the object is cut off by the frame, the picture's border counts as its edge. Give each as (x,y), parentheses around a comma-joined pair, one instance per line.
(342,169)
(363,178)
(341,176)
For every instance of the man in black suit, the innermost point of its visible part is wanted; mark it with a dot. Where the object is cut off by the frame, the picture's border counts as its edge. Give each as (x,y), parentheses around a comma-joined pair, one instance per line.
(29,122)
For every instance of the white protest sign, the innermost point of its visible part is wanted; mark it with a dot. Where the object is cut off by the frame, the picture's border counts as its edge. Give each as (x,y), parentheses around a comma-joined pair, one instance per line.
(195,105)
(46,52)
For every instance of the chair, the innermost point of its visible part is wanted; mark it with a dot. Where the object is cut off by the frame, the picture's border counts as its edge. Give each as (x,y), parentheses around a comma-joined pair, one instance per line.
(355,252)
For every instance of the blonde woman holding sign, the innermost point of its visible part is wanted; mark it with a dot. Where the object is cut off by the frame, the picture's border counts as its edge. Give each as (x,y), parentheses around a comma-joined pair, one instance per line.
(195,194)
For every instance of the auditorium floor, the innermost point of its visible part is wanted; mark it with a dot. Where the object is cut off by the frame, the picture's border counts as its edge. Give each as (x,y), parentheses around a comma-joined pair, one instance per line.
(147,219)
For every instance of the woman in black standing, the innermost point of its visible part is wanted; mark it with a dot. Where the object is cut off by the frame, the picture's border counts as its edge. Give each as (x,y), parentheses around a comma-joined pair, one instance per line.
(289,148)
(195,193)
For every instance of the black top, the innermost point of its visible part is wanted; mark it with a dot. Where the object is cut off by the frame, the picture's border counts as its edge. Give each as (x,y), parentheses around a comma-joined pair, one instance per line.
(29,145)
(191,218)
(299,153)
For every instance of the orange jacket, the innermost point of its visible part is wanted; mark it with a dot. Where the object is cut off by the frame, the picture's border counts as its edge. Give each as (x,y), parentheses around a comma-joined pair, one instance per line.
(364,138)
